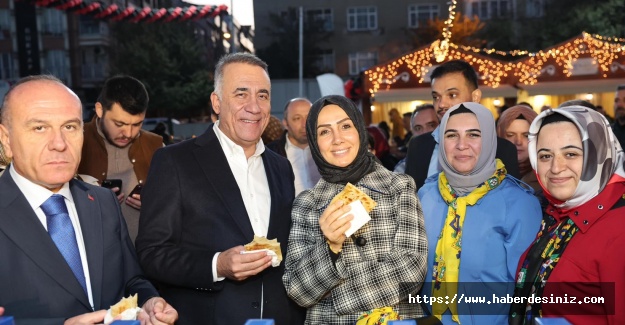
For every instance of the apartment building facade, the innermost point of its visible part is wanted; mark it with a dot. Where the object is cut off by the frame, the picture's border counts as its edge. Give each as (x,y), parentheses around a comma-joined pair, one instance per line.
(368,32)
(77,48)
(35,40)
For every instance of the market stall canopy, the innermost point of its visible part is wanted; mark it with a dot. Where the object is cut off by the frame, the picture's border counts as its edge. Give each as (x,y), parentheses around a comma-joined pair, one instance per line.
(425,93)
(583,64)
(408,77)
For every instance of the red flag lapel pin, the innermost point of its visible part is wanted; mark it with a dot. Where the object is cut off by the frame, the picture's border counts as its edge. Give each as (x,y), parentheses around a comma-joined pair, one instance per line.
(90,197)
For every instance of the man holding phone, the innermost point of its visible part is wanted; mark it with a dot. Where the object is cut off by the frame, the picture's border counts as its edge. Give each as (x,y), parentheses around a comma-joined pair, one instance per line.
(115,149)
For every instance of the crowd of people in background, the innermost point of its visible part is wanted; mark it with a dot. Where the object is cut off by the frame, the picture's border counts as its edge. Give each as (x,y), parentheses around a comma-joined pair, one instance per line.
(526,205)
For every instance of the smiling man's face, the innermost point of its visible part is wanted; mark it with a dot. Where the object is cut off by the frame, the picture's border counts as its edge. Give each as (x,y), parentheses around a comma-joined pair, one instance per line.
(244,104)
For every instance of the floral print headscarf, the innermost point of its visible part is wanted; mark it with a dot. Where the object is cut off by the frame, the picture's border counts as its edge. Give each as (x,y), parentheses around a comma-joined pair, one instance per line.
(603,155)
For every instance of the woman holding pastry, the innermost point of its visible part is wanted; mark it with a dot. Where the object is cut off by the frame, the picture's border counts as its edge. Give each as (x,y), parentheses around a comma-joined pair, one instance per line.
(478,220)
(337,277)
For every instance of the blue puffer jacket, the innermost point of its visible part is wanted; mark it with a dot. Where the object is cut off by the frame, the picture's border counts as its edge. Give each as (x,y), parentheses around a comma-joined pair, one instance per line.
(496,231)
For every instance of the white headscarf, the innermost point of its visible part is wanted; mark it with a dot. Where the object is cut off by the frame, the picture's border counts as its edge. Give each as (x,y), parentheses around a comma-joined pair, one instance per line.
(486,164)
(603,155)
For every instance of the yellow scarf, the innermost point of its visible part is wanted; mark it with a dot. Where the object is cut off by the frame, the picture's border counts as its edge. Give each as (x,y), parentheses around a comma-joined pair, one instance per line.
(447,258)
(378,316)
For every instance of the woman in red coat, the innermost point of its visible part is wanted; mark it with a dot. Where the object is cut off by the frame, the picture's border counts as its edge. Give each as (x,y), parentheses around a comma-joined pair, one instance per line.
(576,259)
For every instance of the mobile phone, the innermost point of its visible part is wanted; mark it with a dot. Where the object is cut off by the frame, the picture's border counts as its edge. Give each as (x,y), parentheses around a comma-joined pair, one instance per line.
(136,190)
(111,183)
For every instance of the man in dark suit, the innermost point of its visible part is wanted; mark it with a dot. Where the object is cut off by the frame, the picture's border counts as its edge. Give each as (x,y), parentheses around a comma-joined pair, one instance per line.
(453,82)
(65,251)
(207,197)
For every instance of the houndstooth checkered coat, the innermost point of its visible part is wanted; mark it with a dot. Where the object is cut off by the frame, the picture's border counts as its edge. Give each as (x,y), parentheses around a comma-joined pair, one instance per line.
(381,273)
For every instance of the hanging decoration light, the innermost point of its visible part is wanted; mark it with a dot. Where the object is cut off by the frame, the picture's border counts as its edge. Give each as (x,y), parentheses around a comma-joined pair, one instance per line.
(443,46)
(114,12)
(603,50)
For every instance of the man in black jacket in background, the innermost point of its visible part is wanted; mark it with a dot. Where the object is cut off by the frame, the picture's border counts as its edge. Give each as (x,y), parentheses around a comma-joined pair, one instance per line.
(453,82)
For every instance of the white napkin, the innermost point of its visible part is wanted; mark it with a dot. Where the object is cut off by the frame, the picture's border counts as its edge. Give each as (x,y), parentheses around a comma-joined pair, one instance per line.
(128,314)
(361,217)
(274,257)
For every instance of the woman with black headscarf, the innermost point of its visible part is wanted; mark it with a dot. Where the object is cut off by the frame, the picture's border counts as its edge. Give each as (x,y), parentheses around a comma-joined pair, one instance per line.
(339,278)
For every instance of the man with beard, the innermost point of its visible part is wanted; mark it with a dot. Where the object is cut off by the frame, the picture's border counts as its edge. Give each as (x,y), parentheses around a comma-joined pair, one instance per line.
(452,83)
(293,144)
(115,147)
(618,127)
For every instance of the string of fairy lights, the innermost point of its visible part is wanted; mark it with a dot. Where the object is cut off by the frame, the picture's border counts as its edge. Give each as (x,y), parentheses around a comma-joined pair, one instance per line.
(603,51)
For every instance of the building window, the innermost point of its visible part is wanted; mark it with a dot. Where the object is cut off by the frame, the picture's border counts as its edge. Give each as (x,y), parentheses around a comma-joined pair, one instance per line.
(324,60)
(321,16)
(52,21)
(5,22)
(534,8)
(361,61)
(94,64)
(88,25)
(56,64)
(7,66)
(362,18)
(419,15)
(489,9)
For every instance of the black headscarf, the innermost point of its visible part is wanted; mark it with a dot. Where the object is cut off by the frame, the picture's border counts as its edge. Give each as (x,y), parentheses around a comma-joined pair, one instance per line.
(364,162)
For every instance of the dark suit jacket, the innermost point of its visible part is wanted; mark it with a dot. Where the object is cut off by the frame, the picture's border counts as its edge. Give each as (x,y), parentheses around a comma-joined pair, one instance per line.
(420,153)
(279,145)
(191,209)
(36,284)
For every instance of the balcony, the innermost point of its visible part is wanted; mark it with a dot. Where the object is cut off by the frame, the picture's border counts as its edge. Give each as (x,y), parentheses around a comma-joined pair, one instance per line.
(94,73)
(93,33)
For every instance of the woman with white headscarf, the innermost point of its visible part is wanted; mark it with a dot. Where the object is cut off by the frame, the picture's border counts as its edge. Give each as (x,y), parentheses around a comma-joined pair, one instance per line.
(478,220)
(577,253)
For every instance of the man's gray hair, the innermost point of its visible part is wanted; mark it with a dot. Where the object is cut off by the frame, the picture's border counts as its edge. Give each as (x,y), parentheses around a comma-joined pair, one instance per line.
(4,115)
(419,109)
(240,57)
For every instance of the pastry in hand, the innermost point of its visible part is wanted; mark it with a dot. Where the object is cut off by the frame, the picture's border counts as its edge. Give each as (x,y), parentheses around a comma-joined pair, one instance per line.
(273,247)
(125,309)
(351,193)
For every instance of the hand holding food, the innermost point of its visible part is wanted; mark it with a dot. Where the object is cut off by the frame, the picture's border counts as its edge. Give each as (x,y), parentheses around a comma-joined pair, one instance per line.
(351,193)
(126,309)
(261,243)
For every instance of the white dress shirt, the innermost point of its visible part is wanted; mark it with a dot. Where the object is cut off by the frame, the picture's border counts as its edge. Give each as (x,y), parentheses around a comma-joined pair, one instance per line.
(36,195)
(252,181)
(304,167)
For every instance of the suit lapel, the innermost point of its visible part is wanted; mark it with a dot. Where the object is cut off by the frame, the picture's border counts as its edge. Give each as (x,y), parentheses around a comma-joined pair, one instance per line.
(20,224)
(276,196)
(90,218)
(212,161)
(422,165)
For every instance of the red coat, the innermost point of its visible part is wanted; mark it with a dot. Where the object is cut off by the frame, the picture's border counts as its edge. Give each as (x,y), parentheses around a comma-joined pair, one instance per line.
(595,254)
